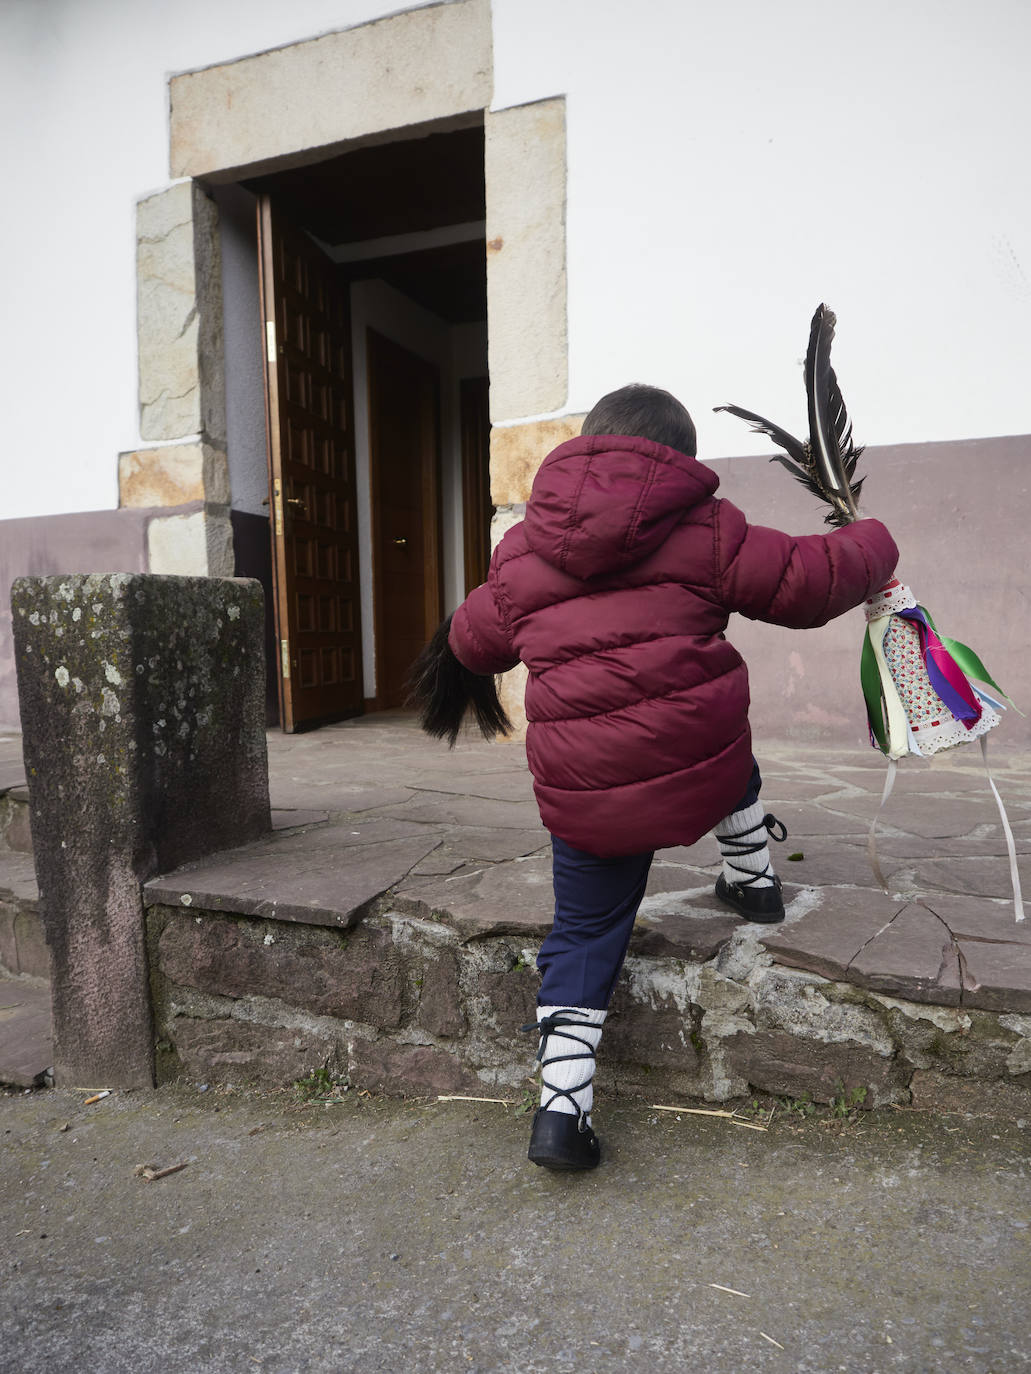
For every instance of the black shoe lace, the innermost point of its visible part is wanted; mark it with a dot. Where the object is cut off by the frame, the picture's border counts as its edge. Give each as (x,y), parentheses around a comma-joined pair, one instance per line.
(736,846)
(559,1022)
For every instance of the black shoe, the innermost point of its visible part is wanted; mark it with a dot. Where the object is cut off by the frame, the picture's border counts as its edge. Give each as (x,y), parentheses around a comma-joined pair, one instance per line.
(558,1141)
(763,904)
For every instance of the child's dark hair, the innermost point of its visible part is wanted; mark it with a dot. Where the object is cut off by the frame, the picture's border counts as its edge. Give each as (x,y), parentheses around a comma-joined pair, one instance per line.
(647,412)
(444,691)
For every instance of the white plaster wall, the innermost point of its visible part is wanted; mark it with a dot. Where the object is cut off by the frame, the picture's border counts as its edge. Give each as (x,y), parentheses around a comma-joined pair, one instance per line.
(84,109)
(729,166)
(456,351)
(732,165)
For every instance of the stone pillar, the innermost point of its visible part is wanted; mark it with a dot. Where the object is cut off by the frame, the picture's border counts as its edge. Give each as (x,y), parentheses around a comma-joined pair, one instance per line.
(526,259)
(143,706)
(182,385)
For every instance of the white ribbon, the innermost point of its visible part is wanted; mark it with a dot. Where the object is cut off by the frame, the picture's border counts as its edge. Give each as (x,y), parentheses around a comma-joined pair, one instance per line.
(1011,849)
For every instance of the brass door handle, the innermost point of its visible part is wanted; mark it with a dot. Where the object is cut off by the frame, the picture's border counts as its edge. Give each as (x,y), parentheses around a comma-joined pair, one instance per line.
(401,543)
(296,501)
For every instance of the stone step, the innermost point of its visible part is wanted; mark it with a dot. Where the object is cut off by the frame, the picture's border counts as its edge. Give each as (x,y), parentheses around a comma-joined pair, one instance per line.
(26,1040)
(15,831)
(339,948)
(23,950)
(14,798)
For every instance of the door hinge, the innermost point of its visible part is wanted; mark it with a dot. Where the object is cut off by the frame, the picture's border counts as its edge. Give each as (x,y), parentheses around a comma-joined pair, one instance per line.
(270,341)
(285,647)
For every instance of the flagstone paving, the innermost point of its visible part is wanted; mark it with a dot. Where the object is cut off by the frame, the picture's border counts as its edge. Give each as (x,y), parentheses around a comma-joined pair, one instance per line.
(371,807)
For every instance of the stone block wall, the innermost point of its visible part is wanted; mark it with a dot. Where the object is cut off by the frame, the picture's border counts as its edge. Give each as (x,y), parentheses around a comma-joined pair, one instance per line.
(23,948)
(181,387)
(403,1003)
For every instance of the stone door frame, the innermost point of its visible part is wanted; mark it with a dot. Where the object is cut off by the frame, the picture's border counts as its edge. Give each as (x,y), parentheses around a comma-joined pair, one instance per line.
(419,71)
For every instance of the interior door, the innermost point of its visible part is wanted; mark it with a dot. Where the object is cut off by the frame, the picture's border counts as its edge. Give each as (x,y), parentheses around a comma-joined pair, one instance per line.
(404,421)
(311,476)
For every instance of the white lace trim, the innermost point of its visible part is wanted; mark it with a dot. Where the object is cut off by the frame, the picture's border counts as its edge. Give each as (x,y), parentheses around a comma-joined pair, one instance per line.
(891,599)
(932,739)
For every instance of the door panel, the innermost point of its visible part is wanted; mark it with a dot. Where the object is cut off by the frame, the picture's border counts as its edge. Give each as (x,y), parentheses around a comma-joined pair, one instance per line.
(404,393)
(311,476)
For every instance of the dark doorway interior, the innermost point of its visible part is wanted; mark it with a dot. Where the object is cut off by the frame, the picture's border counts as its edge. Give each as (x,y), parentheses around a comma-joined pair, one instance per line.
(409,213)
(404,441)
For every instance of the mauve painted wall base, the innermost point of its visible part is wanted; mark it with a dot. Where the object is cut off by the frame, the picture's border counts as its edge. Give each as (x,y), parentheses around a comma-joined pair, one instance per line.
(87,542)
(107,541)
(959,513)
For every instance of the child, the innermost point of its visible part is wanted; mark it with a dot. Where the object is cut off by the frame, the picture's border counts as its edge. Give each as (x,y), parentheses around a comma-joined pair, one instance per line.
(615,591)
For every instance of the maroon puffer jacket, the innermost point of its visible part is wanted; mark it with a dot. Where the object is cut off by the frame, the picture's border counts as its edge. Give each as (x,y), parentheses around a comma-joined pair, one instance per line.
(615,592)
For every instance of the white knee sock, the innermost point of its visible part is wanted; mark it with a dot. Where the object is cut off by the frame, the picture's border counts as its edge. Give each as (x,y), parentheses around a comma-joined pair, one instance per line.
(738,833)
(566,1083)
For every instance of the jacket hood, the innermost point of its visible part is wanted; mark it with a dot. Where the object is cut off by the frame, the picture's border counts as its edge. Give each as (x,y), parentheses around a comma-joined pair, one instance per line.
(606,502)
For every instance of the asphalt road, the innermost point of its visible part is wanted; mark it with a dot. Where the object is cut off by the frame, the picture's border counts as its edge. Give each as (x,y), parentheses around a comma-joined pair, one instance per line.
(377,1235)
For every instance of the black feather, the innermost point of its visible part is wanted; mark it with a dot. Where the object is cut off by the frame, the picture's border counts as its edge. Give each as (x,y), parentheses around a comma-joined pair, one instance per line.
(444,691)
(787,441)
(830,429)
(826,462)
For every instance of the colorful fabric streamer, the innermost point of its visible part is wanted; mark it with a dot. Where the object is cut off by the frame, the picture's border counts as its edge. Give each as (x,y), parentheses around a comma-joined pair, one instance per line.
(922,696)
(919,687)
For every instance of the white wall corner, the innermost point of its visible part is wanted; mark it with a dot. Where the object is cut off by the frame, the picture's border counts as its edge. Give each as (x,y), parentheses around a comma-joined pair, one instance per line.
(527,331)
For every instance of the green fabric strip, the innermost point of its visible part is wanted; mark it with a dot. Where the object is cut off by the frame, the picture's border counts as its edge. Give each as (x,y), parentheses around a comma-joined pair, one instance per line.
(968,661)
(870,678)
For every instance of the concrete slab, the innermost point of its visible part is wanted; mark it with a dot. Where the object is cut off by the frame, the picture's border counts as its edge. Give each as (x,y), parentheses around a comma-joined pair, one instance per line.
(511,784)
(296,793)
(502,899)
(996,977)
(976,876)
(945,775)
(800,788)
(440,862)
(498,845)
(695,929)
(12,773)
(827,940)
(984,840)
(929,815)
(325,877)
(18,877)
(445,808)
(980,920)
(914,957)
(826,861)
(810,818)
(26,1033)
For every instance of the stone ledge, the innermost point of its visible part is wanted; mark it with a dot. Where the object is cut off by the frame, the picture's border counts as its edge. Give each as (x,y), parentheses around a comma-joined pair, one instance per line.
(408,1003)
(26,1038)
(948,950)
(15,825)
(324,877)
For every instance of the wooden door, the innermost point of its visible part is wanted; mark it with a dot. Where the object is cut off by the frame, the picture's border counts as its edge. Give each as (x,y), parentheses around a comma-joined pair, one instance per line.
(308,396)
(404,448)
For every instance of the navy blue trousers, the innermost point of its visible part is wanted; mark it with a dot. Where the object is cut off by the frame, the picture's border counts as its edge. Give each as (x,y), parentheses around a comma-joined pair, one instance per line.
(596,901)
